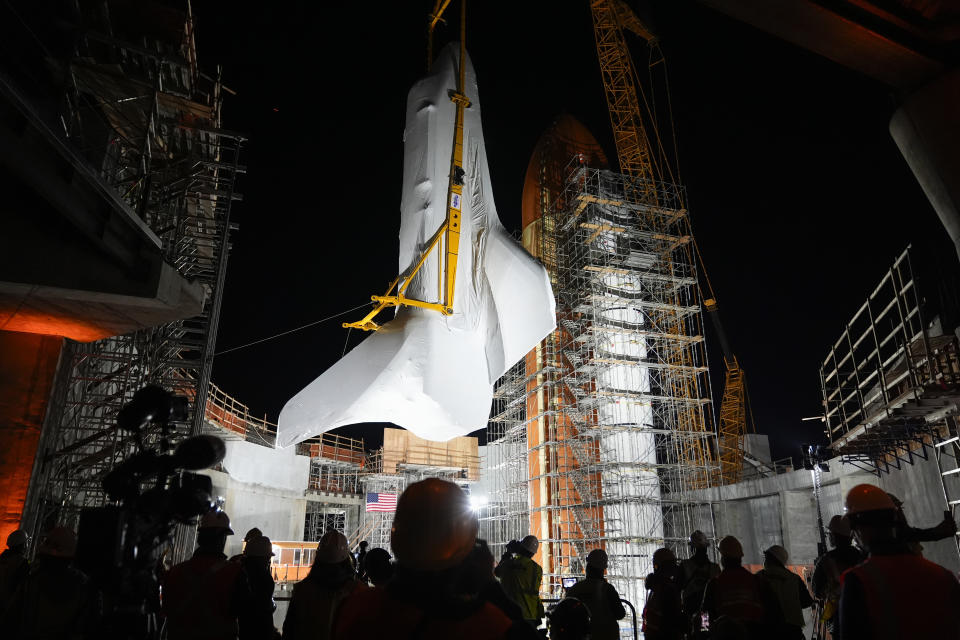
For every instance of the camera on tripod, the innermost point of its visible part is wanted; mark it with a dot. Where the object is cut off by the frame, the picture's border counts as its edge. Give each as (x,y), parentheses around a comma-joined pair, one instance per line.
(120,546)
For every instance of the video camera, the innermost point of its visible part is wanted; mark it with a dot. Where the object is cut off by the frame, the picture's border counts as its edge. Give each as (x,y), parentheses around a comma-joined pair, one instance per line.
(121,546)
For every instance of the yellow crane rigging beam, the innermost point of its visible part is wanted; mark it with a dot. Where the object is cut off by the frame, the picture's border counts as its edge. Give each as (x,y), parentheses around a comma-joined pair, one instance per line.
(448,235)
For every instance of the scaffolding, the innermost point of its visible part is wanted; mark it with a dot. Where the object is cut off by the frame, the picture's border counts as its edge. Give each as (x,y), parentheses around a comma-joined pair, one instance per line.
(889,382)
(616,402)
(148,121)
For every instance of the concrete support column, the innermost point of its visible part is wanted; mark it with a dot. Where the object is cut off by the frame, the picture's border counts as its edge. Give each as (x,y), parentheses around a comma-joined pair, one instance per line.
(927,130)
(28,364)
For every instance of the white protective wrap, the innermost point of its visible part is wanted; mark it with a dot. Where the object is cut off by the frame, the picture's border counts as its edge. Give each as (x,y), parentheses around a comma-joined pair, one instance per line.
(429,373)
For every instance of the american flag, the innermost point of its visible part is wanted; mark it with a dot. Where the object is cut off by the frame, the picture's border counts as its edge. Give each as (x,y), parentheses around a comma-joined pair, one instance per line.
(381,502)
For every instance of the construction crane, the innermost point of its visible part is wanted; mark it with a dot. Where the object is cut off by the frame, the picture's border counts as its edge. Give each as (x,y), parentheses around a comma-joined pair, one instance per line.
(638,159)
(446,239)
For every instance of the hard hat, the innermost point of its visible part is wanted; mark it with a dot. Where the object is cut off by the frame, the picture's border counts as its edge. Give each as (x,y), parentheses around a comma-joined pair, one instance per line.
(840,526)
(253,534)
(569,620)
(598,558)
(663,557)
(216,520)
(434,527)
(17,538)
(897,502)
(60,542)
(530,543)
(364,544)
(730,547)
(779,553)
(699,539)
(867,497)
(259,548)
(333,548)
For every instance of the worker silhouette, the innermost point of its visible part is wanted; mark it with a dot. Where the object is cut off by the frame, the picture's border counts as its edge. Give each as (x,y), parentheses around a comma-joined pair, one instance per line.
(204,596)
(361,557)
(601,598)
(252,534)
(695,572)
(14,565)
(733,600)
(256,620)
(521,577)
(831,565)
(790,595)
(913,536)
(378,566)
(318,597)
(569,620)
(894,593)
(434,531)
(56,600)
(663,617)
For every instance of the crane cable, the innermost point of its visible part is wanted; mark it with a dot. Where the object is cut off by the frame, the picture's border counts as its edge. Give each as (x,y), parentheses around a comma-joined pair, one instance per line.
(289,331)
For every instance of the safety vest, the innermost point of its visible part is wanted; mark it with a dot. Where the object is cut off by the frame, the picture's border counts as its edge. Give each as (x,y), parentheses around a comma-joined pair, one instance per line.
(375,614)
(736,593)
(197,597)
(908,596)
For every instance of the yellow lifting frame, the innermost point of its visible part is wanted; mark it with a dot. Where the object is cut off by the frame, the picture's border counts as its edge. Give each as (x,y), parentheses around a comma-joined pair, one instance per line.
(449,231)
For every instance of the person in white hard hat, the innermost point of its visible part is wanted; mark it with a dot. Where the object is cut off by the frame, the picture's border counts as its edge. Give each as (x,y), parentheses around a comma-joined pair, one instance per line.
(204,596)
(56,600)
(601,598)
(695,572)
(14,565)
(789,594)
(317,598)
(521,577)
(831,565)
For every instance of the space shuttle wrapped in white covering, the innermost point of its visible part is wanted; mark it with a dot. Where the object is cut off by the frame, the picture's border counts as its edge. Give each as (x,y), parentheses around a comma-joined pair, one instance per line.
(426,372)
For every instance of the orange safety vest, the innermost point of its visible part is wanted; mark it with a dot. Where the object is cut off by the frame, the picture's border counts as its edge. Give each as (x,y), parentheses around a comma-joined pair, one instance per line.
(375,614)
(197,599)
(736,593)
(908,596)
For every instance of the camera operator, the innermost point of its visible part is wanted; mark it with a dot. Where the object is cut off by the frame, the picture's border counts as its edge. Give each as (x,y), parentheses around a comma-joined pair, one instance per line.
(56,601)
(204,597)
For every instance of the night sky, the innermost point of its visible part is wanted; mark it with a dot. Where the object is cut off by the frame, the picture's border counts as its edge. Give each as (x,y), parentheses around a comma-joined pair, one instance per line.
(798,195)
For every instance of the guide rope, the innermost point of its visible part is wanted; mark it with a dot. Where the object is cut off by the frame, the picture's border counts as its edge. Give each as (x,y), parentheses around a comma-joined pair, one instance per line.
(283,333)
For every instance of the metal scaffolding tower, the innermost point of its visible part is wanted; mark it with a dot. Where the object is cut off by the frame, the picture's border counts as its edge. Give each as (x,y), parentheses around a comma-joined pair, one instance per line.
(615,405)
(148,121)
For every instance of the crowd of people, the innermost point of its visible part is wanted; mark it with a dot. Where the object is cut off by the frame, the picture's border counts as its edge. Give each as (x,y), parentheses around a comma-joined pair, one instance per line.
(445,583)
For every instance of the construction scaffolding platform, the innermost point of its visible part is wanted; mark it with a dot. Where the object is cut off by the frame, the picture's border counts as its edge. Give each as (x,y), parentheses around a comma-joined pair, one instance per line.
(602,437)
(146,120)
(889,384)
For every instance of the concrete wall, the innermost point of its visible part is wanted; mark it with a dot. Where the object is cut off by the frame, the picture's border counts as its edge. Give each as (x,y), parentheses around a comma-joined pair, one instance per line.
(781,509)
(262,488)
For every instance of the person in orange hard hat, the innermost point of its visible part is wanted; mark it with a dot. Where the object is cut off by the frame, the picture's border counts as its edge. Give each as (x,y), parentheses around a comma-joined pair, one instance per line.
(521,578)
(204,596)
(430,598)
(790,595)
(56,600)
(317,598)
(601,598)
(894,593)
(831,565)
(734,598)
